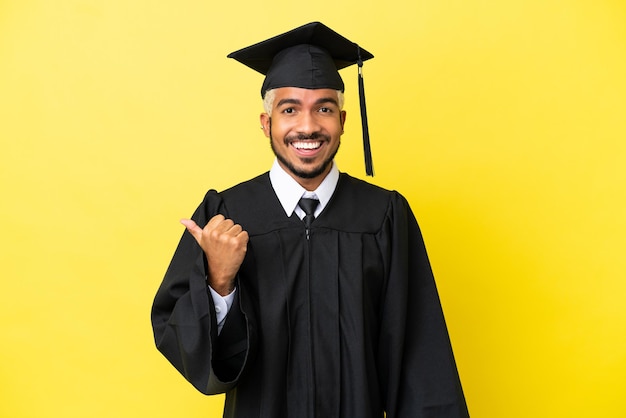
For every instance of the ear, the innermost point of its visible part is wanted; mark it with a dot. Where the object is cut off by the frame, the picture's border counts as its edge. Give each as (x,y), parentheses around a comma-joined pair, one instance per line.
(342,119)
(265,123)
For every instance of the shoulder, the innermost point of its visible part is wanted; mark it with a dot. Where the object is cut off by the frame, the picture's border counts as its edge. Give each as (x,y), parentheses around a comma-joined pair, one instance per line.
(240,195)
(363,192)
(252,204)
(248,189)
(363,206)
(353,184)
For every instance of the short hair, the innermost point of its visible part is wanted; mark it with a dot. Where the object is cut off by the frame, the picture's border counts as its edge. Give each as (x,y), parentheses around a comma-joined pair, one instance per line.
(268,100)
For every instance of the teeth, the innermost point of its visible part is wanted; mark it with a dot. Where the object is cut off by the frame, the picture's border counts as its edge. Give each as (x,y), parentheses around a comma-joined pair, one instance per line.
(306,145)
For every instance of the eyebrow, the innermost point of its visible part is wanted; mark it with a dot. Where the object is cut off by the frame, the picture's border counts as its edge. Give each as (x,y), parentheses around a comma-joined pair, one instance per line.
(319,101)
(288,101)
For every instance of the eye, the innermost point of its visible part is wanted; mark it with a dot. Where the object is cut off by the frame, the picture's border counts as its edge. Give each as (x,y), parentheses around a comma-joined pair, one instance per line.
(288,110)
(325,110)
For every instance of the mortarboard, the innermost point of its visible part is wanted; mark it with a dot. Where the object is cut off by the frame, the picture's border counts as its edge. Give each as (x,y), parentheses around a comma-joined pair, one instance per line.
(309,57)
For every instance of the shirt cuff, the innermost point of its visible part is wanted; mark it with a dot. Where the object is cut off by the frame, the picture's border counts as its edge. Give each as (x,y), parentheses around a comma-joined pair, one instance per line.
(222,306)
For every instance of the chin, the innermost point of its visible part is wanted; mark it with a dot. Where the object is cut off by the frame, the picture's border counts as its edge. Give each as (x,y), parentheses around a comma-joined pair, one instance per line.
(308,171)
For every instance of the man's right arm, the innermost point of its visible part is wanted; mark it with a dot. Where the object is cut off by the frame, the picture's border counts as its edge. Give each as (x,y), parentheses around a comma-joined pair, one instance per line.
(184,317)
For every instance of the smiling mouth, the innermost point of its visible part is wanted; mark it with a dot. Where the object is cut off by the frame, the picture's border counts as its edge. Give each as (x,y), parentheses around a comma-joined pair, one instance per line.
(306,145)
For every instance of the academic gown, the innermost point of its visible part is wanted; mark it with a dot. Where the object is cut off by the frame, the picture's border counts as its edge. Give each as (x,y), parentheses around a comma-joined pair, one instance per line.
(346,323)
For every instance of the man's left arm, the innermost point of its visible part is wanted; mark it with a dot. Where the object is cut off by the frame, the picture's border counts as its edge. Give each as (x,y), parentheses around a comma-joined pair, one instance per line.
(423,376)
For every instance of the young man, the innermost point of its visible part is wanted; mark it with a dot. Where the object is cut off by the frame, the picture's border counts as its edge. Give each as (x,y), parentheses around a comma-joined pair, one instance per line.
(305,292)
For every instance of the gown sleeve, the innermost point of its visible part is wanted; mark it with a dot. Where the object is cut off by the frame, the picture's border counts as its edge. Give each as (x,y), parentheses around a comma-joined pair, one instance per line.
(422,378)
(184,320)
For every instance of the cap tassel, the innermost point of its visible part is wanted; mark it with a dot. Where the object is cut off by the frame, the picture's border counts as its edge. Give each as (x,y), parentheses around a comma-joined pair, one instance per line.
(367,151)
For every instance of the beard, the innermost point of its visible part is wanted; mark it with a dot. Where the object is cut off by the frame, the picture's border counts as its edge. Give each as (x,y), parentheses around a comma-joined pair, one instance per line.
(313,172)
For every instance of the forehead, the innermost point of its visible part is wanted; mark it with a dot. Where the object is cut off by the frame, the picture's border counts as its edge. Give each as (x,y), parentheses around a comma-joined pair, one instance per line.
(304,96)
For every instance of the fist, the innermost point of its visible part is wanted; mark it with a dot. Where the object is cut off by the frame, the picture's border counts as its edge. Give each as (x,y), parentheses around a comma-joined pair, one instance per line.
(224,243)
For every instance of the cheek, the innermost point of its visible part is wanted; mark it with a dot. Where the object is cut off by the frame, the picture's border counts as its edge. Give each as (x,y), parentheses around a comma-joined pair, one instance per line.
(335,127)
(278,127)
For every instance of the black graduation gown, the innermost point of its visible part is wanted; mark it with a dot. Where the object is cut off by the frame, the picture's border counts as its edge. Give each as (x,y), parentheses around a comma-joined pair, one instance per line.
(345,324)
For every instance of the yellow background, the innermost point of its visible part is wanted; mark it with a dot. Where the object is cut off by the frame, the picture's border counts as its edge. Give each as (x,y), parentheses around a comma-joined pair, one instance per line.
(503,122)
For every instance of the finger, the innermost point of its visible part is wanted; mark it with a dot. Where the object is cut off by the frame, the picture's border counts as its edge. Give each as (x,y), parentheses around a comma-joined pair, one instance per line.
(193,228)
(214,222)
(221,225)
(224,226)
(234,230)
(243,236)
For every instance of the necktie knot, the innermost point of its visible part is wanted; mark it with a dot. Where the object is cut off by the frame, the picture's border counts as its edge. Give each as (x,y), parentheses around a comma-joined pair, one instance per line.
(308,206)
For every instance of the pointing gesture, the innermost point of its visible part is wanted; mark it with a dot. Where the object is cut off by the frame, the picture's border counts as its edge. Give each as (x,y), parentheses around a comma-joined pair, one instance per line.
(224,243)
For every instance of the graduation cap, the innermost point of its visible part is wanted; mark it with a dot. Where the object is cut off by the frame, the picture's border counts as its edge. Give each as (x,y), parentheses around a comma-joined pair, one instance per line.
(309,57)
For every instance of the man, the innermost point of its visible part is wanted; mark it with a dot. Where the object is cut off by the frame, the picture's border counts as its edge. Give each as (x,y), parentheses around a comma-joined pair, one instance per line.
(305,292)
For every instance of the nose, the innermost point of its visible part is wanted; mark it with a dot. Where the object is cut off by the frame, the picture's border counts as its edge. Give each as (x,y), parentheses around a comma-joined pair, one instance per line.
(308,124)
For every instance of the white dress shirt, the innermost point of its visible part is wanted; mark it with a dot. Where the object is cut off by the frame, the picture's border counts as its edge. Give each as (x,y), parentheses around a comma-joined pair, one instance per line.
(289,193)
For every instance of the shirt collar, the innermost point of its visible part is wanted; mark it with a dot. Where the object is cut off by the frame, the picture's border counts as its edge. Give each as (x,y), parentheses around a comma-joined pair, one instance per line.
(289,191)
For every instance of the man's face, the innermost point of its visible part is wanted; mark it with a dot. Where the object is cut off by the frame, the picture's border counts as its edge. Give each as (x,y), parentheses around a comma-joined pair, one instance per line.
(305,131)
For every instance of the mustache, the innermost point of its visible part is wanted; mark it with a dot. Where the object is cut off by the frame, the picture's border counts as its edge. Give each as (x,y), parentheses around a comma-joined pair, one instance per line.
(304,137)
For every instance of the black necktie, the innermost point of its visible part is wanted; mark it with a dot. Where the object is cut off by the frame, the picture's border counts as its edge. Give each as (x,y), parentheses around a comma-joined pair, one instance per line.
(308,206)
